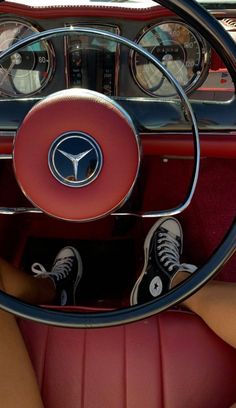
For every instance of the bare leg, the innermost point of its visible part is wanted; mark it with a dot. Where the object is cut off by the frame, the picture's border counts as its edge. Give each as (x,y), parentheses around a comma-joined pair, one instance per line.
(25,287)
(18,384)
(19,387)
(215,303)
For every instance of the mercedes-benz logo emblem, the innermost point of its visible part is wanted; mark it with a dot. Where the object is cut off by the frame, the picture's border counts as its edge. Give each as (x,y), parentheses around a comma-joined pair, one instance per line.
(75,159)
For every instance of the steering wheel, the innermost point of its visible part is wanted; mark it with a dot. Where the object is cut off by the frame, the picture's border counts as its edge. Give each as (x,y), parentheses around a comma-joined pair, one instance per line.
(46,165)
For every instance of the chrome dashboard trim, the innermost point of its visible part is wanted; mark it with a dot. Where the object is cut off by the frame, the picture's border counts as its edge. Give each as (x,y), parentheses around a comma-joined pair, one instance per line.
(7,133)
(6,156)
(19,210)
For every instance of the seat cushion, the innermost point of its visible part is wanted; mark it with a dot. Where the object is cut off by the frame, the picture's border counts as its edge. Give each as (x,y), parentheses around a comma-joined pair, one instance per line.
(171,360)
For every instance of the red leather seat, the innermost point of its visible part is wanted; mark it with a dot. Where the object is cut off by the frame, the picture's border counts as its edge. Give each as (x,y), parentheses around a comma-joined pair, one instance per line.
(172,360)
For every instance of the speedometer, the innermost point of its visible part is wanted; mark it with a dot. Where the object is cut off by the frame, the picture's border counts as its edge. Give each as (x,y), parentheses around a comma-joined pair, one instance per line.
(29,69)
(183,52)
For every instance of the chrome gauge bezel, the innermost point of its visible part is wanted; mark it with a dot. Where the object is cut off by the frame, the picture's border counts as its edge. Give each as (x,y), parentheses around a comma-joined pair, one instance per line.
(205,53)
(51,56)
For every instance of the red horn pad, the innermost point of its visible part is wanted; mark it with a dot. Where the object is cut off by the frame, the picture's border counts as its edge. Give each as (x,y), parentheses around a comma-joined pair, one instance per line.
(102,120)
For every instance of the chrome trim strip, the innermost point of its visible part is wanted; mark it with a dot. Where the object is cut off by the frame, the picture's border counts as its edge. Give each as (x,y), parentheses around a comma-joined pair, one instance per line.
(7,133)
(186,104)
(19,210)
(6,156)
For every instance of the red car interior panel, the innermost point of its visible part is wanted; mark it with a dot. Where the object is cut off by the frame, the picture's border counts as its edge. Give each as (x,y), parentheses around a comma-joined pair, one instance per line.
(37,9)
(139,365)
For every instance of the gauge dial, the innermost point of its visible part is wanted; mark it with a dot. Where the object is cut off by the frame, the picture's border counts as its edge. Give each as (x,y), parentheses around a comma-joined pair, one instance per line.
(29,69)
(183,52)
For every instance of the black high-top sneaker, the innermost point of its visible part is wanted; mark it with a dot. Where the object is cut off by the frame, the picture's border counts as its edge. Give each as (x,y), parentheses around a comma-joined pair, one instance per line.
(162,249)
(66,273)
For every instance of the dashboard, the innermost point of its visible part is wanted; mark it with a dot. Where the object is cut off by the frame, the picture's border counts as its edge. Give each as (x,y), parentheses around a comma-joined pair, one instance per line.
(101,64)
(97,63)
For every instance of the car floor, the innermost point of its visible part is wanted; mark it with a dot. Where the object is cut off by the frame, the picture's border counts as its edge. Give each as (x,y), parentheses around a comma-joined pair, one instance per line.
(111,248)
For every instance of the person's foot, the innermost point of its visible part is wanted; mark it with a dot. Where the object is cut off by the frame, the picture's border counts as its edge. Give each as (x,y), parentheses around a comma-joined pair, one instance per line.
(162,249)
(66,273)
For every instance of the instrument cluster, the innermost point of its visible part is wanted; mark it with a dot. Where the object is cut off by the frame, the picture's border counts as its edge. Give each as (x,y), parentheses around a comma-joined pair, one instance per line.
(95,62)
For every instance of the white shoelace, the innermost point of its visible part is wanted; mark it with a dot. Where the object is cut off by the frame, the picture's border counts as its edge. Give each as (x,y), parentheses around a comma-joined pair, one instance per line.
(169,252)
(59,271)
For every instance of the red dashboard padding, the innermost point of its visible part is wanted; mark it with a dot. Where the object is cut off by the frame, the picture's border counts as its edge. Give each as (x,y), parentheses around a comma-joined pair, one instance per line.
(77,110)
(55,9)
(169,361)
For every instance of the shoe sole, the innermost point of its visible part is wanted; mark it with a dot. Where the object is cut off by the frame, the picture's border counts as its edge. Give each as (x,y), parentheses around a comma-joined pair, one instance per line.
(80,270)
(133,295)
